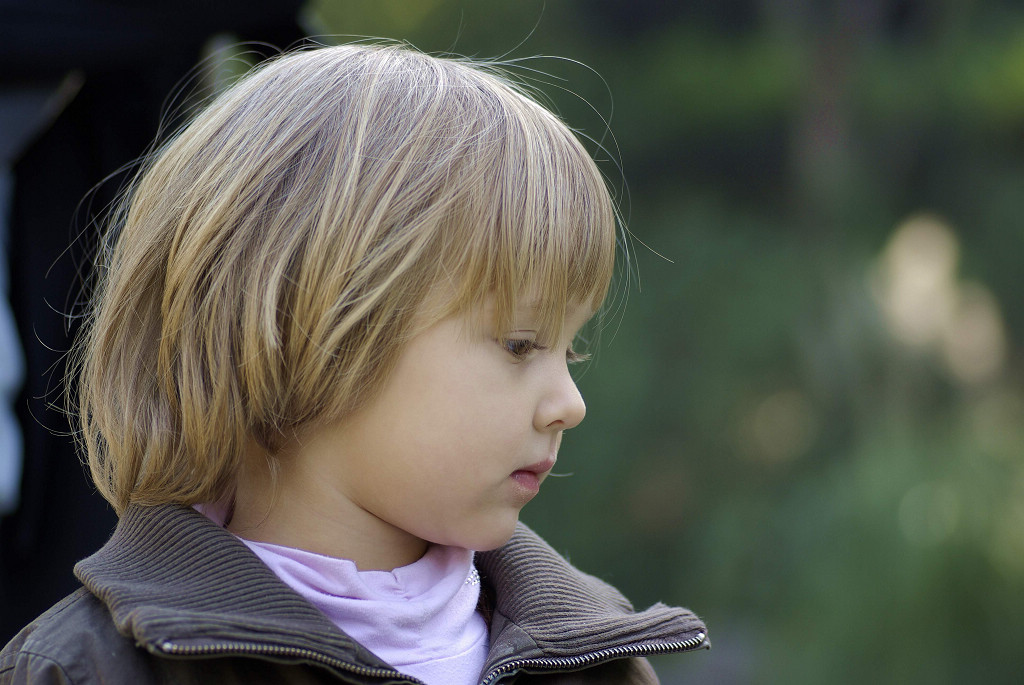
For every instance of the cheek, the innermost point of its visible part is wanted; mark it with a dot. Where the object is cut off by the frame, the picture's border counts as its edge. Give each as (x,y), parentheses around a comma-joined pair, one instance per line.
(467,410)
(465,395)
(469,382)
(472,417)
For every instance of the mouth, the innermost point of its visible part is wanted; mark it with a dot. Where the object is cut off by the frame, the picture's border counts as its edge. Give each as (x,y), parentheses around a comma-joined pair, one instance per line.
(529,477)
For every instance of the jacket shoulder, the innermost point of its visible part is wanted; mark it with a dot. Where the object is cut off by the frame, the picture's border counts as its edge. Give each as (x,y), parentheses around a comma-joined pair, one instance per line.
(65,644)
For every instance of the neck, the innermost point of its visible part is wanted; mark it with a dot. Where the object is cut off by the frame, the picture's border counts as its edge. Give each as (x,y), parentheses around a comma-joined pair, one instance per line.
(300,510)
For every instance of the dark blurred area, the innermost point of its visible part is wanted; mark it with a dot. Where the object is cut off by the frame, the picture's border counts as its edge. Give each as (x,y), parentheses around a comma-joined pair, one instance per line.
(806,411)
(83,88)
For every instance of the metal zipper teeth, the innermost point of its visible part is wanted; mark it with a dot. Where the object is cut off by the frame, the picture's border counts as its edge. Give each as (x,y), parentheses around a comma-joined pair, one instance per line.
(254,648)
(575,662)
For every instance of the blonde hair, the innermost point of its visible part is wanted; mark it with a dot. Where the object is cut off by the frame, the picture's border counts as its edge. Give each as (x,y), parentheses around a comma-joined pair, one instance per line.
(266,268)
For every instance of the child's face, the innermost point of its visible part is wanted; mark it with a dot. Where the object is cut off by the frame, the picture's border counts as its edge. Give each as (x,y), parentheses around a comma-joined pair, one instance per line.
(462,434)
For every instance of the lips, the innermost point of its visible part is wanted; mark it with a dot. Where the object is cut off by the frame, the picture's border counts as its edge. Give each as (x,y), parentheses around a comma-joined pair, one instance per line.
(528,478)
(539,468)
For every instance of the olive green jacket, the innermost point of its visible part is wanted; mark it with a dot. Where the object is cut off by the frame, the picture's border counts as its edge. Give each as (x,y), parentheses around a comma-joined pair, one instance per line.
(173,598)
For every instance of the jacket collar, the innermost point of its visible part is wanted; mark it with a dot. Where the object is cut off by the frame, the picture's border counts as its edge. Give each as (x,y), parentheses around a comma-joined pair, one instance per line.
(547,609)
(170,576)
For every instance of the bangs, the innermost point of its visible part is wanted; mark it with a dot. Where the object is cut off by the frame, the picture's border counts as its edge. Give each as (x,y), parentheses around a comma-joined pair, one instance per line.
(543,227)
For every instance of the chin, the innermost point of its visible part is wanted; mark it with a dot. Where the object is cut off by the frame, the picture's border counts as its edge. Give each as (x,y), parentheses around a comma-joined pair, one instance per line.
(485,539)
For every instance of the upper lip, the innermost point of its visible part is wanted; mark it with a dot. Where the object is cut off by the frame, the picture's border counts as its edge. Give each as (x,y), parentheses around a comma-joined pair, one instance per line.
(540,467)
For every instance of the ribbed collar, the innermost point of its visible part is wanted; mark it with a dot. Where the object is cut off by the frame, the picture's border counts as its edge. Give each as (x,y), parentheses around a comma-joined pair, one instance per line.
(546,608)
(170,575)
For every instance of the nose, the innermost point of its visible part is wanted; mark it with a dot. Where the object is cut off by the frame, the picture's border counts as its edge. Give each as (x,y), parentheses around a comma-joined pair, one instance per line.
(562,406)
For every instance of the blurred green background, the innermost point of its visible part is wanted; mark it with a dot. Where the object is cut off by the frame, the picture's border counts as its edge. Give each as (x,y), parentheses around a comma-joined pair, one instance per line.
(807,422)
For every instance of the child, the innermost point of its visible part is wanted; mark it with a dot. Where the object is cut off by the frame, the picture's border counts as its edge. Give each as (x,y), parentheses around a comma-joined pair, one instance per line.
(327,363)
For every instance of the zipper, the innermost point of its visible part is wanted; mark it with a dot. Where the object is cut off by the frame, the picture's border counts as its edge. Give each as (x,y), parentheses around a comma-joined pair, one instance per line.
(591,658)
(257,649)
(547,663)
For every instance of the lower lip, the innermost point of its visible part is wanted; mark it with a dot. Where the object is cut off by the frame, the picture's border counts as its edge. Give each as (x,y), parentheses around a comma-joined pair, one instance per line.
(528,481)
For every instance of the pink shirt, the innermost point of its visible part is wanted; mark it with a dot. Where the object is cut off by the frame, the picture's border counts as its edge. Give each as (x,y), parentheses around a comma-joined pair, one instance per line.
(420,618)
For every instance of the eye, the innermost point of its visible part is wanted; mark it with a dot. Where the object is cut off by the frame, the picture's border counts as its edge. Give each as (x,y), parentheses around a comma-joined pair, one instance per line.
(520,348)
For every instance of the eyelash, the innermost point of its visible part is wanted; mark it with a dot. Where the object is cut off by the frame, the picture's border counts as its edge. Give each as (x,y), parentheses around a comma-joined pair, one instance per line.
(520,349)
